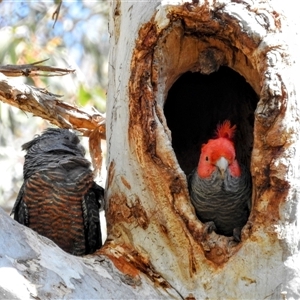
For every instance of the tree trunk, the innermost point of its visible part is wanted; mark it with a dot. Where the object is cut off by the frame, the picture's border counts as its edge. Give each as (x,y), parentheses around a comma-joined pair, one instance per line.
(156,246)
(149,208)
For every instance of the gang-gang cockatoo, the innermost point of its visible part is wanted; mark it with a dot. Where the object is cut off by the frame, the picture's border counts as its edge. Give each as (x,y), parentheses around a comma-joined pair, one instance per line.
(59,198)
(220,187)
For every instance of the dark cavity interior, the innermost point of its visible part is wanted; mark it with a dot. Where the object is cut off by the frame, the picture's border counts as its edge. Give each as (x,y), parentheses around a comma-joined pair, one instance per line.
(196,103)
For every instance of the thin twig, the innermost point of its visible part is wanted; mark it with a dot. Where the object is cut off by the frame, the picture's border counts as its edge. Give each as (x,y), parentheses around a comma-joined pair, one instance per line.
(56,13)
(30,70)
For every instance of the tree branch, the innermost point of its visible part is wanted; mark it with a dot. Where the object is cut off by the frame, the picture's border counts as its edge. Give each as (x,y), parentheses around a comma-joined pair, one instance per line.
(46,105)
(31,70)
(56,13)
(33,267)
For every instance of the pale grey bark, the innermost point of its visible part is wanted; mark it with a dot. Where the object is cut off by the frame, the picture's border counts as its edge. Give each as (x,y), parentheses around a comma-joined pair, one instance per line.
(33,267)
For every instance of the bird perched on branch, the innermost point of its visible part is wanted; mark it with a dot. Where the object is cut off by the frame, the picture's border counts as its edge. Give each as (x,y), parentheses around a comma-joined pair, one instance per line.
(59,198)
(220,187)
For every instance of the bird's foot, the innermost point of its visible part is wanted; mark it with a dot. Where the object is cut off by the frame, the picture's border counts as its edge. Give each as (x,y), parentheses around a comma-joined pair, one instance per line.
(237,234)
(209,227)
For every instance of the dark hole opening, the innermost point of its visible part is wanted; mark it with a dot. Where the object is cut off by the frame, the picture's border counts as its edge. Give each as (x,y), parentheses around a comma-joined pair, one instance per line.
(196,103)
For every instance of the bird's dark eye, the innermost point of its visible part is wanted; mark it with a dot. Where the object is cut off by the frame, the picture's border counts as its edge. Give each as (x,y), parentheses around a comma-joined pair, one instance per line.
(206,158)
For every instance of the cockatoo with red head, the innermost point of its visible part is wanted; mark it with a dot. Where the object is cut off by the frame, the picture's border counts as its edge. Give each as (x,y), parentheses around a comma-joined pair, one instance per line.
(220,187)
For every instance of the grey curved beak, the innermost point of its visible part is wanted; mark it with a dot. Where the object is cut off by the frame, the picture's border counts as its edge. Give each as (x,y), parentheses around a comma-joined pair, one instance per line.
(222,165)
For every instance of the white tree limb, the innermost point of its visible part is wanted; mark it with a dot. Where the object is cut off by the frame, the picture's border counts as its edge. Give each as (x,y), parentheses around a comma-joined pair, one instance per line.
(33,267)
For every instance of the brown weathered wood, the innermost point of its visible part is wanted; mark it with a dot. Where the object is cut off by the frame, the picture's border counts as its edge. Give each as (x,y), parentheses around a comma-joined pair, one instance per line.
(46,105)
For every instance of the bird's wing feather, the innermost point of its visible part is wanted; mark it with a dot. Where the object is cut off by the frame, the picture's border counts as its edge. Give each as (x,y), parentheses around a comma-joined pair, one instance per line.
(90,206)
(20,209)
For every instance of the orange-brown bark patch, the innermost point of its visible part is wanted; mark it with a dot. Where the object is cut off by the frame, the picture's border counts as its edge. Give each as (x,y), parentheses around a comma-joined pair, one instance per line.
(126,183)
(132,262)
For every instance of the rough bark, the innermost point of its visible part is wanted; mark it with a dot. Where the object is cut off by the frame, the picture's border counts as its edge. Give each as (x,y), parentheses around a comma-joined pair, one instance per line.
(156,247)
(46,105)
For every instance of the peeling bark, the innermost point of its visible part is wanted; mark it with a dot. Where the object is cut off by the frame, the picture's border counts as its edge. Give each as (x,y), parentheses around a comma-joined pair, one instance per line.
(42,103)
(46,105)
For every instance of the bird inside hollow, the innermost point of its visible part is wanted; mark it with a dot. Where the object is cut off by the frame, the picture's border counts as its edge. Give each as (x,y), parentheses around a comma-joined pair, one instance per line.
(220,187)
(59,198)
